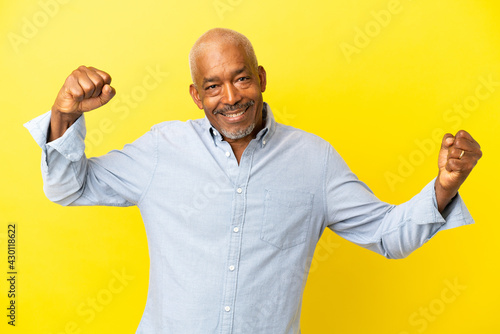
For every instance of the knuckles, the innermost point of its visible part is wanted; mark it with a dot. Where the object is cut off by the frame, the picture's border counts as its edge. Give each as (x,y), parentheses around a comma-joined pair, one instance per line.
(81,69)
(459,166)
(87,86)
(107,78)
(462,141)
(79,96)
(461,133)
(459,142)
(82,83)
(453,151)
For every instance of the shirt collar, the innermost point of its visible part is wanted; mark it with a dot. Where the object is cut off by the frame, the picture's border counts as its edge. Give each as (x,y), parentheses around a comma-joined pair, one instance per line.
(262,137)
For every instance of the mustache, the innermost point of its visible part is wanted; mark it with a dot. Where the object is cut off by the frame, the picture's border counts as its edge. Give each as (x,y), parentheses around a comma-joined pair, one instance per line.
(234,107)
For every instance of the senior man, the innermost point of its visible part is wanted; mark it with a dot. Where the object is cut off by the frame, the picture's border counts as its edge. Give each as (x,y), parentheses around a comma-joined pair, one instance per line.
(238,262)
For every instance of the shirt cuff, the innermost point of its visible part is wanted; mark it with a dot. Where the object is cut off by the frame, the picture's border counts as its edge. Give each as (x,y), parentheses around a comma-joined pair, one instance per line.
(425,210)
(71,145)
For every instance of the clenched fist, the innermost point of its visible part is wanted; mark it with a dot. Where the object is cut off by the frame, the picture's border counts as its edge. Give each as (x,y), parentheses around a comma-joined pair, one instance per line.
(457,157)
(87,88)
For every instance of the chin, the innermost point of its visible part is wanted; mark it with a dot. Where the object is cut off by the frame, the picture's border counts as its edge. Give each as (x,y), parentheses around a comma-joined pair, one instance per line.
(240,133)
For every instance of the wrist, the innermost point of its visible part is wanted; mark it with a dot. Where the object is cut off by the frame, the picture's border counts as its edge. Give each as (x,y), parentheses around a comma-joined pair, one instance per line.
(443,195)
(63,117)
(59,123)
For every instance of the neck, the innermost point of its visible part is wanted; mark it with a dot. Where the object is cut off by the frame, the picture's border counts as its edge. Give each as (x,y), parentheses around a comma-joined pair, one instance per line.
(239,145)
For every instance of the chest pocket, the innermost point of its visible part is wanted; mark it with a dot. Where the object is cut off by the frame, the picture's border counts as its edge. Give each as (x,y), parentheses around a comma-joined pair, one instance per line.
(286,217)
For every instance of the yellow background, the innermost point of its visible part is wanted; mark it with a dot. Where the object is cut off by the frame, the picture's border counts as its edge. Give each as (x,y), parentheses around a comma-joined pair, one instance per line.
(375,105)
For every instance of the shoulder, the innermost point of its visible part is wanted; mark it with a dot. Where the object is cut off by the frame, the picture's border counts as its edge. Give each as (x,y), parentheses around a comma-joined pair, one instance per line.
(300,138)
(169,125)
(179,127)
(181,133)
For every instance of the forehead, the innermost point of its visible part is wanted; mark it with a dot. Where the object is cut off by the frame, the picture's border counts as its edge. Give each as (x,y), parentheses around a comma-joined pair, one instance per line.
(217,58)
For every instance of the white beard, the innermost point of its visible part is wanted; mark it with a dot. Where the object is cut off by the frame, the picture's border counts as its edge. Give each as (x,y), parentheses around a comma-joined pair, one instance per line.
(238,134)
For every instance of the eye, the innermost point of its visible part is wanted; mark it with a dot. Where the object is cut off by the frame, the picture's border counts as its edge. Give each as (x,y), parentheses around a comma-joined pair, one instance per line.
(243,78)
(210,87)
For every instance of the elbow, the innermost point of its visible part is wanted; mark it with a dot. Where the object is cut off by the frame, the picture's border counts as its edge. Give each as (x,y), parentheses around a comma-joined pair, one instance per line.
(62,198)
(395,255)
(395,252)
(62,187)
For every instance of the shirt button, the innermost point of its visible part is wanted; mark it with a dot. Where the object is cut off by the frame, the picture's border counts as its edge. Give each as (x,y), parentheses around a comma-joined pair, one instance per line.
(236,229)
(231,268)
(227,308)
(239,190)
(263,142)
(228,154)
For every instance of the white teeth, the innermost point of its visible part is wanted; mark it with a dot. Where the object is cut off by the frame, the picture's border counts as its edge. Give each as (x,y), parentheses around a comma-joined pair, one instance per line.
(235,115)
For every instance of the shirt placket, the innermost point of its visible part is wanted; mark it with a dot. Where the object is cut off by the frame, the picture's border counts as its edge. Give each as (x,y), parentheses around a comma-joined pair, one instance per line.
(236,228)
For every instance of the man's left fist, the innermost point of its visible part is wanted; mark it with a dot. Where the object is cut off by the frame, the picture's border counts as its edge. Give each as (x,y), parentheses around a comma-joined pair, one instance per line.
(457,157)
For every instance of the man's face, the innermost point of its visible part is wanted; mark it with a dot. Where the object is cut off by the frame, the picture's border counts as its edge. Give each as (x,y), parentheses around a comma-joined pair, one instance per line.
(229,90)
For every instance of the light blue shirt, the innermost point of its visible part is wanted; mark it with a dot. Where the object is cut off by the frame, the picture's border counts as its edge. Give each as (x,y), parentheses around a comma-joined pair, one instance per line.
(229,244)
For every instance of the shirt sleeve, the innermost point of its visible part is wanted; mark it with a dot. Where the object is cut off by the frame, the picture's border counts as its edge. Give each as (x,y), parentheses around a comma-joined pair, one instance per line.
(394,231)
(118,178)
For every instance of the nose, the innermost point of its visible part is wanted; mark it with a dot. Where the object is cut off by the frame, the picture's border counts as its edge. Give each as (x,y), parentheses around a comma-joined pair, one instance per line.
(230,94)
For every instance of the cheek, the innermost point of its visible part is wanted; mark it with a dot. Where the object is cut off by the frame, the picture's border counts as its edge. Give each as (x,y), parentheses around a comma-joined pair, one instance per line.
(212,100)
(209,103)
(255,93)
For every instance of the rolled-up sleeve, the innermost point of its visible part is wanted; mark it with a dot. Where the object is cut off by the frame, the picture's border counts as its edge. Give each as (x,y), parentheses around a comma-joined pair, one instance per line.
(116,179)
(394,231)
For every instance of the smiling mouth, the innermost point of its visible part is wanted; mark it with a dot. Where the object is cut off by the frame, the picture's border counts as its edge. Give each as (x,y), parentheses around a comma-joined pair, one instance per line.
(235,114)
(232,111)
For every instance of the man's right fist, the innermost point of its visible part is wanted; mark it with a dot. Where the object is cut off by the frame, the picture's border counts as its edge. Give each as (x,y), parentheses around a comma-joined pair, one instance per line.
(86,88)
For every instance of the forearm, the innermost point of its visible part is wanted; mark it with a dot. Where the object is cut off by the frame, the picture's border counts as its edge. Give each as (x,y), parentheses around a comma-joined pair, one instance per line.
(64,166)
(69,177)
(78,182)
(395,231)
(419,219)
(63,179)
(59,123)
(443,196)
(407,227)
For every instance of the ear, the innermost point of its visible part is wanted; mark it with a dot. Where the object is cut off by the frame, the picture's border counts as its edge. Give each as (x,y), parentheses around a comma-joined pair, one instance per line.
(195,95)
(262,78)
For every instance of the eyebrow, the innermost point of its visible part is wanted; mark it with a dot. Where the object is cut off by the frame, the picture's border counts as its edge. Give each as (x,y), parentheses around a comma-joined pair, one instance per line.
(236,72)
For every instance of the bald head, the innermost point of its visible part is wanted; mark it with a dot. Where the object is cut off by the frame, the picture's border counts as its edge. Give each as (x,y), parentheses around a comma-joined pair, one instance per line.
(216,37)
